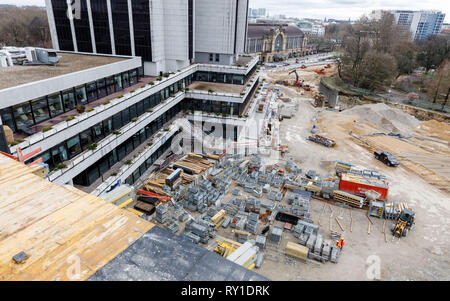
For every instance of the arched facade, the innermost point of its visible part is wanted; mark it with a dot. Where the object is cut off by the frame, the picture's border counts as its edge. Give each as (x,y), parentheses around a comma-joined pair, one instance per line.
(275,42)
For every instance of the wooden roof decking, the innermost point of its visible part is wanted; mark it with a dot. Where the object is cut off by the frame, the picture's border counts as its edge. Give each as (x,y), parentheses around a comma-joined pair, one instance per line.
(58,227)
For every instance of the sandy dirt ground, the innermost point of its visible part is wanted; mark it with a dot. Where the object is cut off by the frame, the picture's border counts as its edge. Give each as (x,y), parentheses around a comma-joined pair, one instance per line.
(422,255)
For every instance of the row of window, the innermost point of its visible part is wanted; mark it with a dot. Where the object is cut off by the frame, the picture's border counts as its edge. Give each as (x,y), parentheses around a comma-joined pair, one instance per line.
(294,42)
(148,163)
(230,108)
(25,115)
(215,77)
(211,57)
(254,45)
(96,170)
(79,143)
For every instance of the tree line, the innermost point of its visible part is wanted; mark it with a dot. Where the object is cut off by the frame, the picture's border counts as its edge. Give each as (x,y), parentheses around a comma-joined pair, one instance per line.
(24,26)
(376,51)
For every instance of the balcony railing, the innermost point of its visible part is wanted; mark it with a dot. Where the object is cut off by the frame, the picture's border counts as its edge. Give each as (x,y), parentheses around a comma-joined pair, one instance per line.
(61,127)
(126,170)
(88,157)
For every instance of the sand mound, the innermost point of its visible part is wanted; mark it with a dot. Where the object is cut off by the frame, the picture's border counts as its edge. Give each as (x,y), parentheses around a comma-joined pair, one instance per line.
(386,118)
(436,128)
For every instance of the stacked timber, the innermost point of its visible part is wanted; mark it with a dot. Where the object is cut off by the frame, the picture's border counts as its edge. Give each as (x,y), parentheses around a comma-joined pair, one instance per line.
(145,208)
(296,250)
(193,164)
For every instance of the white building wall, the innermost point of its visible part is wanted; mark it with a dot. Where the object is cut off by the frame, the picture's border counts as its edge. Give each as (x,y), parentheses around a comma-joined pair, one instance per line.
(215,26)
(241,26)
(169,30)
(51,24)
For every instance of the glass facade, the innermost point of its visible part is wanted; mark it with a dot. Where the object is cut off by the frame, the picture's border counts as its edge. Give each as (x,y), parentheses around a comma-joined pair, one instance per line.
(79,143)
(148,163)
(121,27)
(141,29)
(82,31)
(101,26)
(21,117)
(62,23)
(191,28)
(91,174)
(211,106)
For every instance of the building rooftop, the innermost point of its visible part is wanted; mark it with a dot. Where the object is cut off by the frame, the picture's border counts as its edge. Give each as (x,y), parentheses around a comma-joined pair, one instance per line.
(57,227)
(70,62)
(217,87)
(256,31)
(159,255)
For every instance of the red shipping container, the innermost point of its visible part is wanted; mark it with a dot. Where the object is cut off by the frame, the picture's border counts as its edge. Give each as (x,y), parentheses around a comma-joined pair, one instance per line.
(359,185)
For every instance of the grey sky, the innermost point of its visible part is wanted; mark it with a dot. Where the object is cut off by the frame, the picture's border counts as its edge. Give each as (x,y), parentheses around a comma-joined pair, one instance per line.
(339,9)
(344,9)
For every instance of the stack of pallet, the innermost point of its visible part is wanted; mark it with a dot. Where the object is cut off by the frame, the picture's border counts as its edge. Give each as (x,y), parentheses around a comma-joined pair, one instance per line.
(151,186)
(296,250)
(193,164)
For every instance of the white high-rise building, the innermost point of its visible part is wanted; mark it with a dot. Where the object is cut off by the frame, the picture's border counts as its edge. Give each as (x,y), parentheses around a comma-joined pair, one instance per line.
(167,34)
(421,24)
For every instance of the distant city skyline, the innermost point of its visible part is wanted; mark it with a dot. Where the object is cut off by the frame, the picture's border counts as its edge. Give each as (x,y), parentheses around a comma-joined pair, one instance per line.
(345,9)
(320,9)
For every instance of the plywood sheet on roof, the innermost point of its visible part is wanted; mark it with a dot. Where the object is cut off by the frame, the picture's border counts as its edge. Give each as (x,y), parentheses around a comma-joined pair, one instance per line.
(67,234)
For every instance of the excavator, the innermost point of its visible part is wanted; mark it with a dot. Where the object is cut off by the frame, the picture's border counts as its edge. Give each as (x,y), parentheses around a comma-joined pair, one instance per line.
(405,222)
(297,82)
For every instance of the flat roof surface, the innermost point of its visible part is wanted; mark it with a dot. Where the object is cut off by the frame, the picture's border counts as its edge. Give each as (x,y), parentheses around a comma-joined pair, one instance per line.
(57,227)
(69,63)
(160,255)
(217,87)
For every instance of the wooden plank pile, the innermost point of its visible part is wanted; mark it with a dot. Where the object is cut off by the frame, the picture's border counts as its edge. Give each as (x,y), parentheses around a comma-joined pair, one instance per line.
(296,250)
(193,164)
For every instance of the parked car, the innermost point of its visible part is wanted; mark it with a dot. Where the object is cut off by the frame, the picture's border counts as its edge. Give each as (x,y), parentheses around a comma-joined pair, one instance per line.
(387,158)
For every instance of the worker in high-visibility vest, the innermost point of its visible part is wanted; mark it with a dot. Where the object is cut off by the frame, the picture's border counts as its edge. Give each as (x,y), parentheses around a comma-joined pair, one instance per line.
(340,243)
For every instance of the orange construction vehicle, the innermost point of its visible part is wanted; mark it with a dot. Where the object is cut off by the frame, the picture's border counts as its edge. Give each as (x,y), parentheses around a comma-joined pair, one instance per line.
(320,71)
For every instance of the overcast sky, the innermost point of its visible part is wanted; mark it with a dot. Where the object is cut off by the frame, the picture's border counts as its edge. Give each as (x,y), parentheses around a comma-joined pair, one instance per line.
(338,9)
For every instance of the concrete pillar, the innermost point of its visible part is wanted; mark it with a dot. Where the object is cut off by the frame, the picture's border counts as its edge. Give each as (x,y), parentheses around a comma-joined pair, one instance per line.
(91,26)
(111,27)
(72,26)
(130,21)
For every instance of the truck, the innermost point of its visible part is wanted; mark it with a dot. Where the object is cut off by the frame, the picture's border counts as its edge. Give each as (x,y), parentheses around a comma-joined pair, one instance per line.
(322,140)
(386,157)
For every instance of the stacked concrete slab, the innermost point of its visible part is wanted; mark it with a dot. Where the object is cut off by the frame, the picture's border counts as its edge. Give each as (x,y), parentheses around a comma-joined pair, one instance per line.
(276,235)
(161,214)
(252,223)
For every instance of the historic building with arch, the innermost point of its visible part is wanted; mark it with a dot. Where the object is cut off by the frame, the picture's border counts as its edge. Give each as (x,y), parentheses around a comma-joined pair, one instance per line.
(276,42)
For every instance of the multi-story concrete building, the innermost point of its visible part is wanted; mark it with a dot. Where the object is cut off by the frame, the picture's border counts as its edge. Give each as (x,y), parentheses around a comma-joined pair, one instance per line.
(421,24)
(98,117)
(166,34)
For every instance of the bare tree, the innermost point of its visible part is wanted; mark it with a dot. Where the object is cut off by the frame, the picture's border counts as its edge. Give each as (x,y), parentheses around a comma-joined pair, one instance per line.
(24,26)
(441,81)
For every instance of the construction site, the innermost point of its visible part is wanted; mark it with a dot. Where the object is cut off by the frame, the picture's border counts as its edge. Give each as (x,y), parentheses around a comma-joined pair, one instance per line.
(308,200)
(286,208)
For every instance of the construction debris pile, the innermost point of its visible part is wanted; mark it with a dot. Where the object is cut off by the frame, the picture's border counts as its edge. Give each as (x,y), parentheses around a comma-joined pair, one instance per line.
(202,197)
